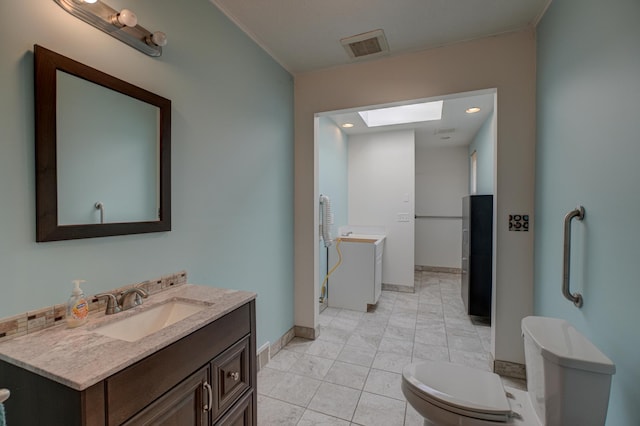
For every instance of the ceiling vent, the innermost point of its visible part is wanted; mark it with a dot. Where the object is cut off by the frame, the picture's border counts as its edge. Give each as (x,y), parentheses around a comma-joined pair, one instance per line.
(443,131)
(366,44)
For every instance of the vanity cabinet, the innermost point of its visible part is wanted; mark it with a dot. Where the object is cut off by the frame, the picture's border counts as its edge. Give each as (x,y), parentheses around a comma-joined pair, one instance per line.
(205,378)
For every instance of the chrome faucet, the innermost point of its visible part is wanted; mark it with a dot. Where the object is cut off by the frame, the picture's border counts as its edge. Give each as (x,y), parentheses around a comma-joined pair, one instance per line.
(346,234)
(132,297)
(128,299)
(113,307)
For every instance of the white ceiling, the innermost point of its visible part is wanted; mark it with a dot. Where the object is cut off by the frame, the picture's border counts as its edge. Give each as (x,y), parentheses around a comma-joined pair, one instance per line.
(304,35)
(456,128)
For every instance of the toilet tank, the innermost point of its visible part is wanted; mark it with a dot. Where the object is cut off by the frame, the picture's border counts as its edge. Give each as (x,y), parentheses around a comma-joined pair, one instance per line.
(568,378)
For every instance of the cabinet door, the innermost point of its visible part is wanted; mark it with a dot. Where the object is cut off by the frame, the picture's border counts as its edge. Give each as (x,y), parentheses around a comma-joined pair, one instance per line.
(240,415)
(181,406)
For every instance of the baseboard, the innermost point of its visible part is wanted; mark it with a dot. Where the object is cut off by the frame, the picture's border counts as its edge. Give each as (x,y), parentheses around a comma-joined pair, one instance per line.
(444,269)
(398,288)
(306,332)
(267,351)
(510,369)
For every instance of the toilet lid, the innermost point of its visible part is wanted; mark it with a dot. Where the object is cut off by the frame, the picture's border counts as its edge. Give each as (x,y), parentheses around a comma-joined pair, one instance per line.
(462,390)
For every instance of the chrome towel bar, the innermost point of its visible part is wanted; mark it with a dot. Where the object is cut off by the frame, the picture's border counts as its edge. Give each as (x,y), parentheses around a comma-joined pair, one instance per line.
(576,298)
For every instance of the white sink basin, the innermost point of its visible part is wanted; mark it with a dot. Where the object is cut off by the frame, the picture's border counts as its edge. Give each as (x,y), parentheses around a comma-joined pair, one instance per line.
(137,326)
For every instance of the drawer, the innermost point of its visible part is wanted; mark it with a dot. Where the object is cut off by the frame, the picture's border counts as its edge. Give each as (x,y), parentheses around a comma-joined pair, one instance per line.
(231,376)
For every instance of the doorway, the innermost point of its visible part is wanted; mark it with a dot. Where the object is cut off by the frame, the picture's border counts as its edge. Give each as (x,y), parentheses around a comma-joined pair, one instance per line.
(444,154)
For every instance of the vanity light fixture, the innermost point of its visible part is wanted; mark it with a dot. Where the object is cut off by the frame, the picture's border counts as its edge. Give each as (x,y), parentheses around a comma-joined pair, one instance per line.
(122,24)
(126,18)
(472,110)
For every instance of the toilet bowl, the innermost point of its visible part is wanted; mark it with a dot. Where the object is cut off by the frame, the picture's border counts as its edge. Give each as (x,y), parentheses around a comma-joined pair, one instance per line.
(565,374)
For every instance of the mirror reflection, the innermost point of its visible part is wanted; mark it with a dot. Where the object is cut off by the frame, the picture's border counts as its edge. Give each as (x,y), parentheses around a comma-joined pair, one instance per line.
(107,153)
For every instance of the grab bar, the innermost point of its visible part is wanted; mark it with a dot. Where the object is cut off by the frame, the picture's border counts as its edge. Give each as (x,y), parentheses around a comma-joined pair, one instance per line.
(437,217)
(576,298)
(4,395)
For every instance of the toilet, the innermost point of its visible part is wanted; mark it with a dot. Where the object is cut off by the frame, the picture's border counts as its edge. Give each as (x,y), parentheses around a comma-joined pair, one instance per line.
(568,382)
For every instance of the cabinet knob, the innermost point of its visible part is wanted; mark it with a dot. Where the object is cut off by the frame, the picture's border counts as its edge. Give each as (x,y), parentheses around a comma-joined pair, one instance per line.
(234,375)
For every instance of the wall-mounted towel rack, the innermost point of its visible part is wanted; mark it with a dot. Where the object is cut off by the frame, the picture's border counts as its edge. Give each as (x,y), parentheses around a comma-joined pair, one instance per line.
(437,217)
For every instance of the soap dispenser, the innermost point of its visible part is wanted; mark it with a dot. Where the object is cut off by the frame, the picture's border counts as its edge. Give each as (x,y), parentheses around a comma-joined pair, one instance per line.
(77,306)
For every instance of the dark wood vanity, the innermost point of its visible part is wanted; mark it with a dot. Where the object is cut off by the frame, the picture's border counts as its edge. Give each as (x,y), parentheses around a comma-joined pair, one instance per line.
(206,378)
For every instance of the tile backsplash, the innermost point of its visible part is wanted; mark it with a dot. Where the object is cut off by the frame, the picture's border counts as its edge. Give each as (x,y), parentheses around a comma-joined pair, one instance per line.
(32,321)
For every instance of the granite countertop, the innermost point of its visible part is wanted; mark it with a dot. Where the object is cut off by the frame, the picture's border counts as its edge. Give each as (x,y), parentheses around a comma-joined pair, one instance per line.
(80,358)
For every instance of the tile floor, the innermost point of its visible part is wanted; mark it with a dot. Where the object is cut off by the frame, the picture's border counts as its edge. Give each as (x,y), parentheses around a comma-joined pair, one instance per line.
(351,374)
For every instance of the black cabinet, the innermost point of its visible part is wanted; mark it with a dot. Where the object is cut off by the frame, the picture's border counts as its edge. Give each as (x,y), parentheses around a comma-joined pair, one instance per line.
(477,251)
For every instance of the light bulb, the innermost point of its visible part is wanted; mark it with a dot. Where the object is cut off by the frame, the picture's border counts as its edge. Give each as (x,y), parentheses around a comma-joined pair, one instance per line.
(125,18)
(158,38)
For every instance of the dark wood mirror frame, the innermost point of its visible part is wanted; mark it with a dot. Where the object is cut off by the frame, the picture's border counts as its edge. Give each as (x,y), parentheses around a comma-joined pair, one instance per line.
(46,64)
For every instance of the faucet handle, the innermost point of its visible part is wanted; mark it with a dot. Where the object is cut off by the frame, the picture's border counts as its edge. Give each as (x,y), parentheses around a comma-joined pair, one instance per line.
(112,303)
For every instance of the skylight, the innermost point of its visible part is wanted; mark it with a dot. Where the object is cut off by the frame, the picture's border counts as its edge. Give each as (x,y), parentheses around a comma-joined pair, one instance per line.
(426,111)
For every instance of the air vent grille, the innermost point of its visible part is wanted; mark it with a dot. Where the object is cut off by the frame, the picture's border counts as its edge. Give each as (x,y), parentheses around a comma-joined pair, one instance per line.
(366,44)
(443,131)
(365,47)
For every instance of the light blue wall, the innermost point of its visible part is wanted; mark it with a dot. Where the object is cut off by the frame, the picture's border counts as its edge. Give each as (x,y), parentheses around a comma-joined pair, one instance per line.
(232,161)
(332,178)
(483,144)
(588,91)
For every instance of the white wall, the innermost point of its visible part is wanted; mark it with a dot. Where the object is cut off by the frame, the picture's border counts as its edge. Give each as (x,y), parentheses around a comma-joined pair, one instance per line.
(483,144)
(442,179)
(381,185)
(506,63)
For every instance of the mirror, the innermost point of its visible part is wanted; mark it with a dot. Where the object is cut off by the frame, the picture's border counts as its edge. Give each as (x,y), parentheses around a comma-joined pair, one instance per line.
(103,157)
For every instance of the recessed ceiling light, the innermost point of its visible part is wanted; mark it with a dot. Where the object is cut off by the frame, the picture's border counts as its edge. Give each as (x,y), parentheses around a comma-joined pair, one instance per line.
(472,110)
(347,125)
(425,111)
